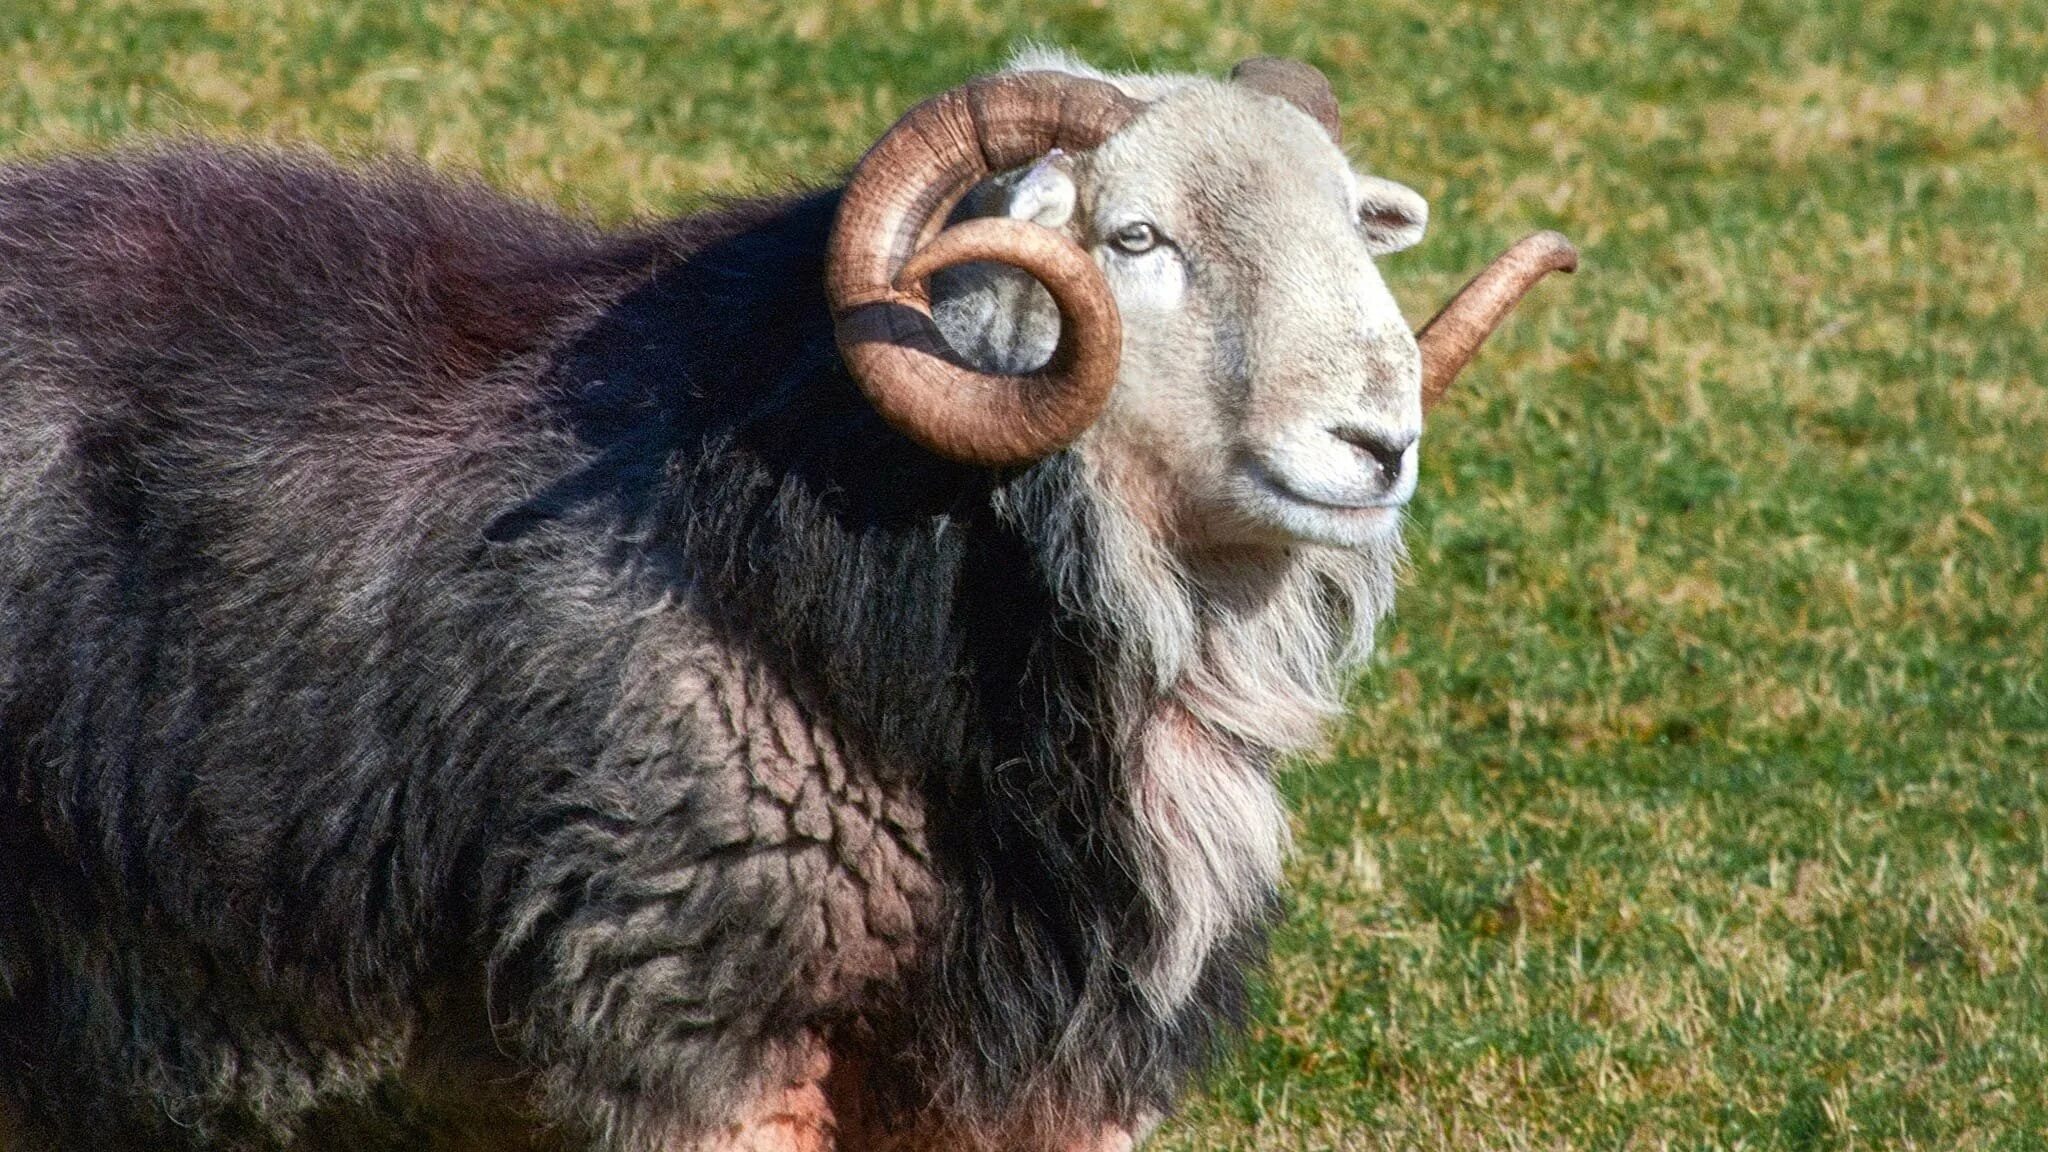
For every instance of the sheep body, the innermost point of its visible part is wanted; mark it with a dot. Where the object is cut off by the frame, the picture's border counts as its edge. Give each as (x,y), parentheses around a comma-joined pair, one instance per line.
(406,591)
(465,677)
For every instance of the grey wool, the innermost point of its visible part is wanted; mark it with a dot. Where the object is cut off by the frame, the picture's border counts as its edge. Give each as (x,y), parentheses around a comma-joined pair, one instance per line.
(469,680)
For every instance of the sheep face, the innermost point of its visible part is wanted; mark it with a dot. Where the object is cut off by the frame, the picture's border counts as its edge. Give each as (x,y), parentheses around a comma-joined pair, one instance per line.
(1269,391)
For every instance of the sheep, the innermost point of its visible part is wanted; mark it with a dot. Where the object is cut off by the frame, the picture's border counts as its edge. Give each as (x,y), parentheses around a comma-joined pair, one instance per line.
(787,677)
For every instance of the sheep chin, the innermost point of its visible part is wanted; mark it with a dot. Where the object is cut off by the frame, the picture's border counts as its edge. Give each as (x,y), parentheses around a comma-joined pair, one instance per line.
(1238,659)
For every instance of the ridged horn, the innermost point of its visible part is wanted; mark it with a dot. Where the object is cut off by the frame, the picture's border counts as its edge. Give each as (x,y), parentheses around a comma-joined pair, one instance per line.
(1302,85)
(877,263)
(1454,334)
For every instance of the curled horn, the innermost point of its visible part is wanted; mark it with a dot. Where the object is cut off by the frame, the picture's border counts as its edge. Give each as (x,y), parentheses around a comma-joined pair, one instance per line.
(877,263)
(1302,85)
(1455,333)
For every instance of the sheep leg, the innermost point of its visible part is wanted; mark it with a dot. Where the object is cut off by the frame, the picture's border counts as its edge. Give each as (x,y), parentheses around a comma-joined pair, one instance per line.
(796,1119)
(824,1108)
(795,1116)
(1113,1139)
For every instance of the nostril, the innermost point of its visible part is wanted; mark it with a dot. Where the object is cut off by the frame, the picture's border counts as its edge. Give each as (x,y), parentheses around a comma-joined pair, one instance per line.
(1387,450)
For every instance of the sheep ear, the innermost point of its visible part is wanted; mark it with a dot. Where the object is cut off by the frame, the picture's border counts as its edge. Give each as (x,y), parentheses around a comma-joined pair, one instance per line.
(1044,194)
(1392,216)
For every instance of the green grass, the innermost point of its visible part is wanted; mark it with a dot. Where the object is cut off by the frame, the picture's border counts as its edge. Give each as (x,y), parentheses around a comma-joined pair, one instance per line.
(1699,795)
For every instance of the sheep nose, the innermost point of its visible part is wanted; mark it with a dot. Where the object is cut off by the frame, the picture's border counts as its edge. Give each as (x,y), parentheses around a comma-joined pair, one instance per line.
(1387,449)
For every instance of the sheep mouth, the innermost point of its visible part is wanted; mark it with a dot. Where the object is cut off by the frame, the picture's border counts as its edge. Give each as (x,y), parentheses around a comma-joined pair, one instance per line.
(1273,483)
(1282,509)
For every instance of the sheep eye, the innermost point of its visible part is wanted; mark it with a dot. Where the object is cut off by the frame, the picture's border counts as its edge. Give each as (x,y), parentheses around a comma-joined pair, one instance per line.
(1135,238)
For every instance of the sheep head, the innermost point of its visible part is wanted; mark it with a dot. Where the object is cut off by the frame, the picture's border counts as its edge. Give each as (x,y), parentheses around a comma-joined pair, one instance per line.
(1177,267)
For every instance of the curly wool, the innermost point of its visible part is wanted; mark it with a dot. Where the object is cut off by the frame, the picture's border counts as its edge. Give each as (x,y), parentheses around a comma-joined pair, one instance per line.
(441,646)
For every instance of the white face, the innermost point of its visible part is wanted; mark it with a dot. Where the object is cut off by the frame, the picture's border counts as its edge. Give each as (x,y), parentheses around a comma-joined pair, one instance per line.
(1270,391)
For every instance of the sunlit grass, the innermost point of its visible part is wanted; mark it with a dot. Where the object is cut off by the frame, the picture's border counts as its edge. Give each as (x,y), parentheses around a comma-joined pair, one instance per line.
(1699,795)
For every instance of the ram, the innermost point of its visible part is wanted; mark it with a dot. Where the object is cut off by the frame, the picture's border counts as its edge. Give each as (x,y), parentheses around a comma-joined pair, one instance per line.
(795,676)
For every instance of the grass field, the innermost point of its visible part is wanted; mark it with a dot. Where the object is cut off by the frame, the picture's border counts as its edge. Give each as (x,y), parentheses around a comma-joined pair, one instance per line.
(1699,795)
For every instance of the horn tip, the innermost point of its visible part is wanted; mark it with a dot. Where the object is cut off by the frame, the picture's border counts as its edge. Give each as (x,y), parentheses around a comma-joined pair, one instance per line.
(1552,250)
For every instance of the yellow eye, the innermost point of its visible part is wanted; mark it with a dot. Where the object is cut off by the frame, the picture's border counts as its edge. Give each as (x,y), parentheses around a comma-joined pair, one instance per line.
(1135,238)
